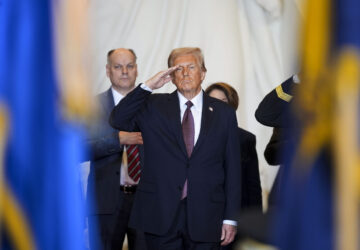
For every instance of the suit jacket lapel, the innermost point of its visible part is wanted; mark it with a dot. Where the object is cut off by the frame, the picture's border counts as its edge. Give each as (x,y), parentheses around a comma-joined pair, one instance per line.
(109,101)
(173,112)
(206,118)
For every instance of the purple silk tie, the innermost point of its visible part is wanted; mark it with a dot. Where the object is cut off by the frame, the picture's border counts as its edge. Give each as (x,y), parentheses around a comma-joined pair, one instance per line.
(188,134)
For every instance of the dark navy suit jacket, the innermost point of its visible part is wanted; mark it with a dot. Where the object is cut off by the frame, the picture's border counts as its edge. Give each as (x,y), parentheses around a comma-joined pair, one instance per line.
(214,189)
(106,151)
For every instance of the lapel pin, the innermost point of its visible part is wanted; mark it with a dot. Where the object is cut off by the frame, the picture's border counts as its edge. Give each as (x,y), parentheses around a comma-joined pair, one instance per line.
(211,109)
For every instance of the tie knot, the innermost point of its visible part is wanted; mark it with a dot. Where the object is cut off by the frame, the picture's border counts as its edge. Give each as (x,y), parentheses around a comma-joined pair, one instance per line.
(189,104)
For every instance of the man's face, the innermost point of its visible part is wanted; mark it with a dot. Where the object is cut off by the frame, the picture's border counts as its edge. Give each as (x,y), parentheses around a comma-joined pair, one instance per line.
(189,76)
(122,70)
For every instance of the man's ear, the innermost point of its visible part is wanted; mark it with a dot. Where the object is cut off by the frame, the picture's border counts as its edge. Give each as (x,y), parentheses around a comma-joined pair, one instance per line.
(107,70)
(203,73)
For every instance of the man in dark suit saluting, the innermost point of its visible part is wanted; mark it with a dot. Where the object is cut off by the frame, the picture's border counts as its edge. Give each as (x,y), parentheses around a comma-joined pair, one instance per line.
(189,191)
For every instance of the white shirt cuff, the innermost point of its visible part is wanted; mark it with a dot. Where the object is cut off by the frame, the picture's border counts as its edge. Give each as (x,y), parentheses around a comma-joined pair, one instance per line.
(296,79)
(143,86)
(230,222)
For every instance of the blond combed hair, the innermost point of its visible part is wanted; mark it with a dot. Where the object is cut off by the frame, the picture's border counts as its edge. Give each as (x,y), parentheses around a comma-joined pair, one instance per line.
(175,53)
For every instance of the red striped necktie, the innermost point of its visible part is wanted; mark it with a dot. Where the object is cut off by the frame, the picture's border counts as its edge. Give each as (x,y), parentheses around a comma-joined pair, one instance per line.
(133,155)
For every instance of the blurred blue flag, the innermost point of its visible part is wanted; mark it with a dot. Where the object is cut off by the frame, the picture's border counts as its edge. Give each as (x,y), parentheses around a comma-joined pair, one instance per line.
(40,173)
(326,109)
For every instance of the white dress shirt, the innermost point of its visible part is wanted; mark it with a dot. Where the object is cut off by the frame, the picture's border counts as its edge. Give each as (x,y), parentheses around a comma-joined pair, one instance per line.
(124,176)
(196,110)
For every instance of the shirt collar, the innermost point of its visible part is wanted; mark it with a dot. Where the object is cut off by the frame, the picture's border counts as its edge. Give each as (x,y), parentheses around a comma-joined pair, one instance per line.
(197,100)
(116,95)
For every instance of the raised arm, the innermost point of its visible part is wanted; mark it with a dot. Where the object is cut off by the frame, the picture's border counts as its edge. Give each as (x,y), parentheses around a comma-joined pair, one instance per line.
(126,115)
(274,109)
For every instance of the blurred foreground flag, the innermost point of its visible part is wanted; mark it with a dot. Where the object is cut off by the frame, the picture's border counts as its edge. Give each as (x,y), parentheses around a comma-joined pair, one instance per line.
(41,135)
(320,198)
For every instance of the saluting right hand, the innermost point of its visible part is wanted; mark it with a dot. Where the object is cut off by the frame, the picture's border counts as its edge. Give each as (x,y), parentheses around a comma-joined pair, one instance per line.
(160,79)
